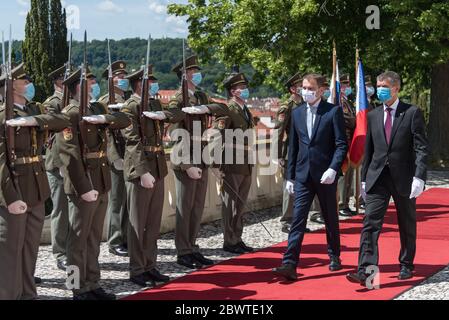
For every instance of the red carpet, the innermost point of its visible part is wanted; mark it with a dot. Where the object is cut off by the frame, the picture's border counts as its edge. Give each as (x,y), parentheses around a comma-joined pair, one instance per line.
(250,277)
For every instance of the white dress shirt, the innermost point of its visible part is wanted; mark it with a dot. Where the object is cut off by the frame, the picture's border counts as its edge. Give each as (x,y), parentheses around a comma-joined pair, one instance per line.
(311,116)
(394,106)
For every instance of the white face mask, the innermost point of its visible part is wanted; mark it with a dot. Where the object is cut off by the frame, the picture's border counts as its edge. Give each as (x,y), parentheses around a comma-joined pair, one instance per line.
(308,95)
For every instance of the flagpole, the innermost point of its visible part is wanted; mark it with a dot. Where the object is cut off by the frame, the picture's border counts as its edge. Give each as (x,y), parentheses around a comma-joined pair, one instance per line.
(357,169)
(334,72)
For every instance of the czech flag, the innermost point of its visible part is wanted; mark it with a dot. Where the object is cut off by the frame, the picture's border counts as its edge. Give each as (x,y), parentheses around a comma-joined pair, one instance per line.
(357,148)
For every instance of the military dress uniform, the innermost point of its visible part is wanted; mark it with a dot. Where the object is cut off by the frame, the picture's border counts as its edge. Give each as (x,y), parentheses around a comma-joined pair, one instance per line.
(53,163)
(282,124)
(190,193)
(117,212)
(345,182)
(20,234)
(86,218)
(237,177)
(145,206)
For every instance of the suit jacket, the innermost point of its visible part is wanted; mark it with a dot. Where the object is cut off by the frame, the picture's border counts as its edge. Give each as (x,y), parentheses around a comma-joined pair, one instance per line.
(326,148)
(407,153)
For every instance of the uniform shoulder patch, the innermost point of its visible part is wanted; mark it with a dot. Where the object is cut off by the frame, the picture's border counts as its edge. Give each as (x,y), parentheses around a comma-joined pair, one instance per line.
(67,134)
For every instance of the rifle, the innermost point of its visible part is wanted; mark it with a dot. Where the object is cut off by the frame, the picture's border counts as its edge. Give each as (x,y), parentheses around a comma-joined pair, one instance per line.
(143,107)
(68,69)
(185,89)
(111,100)
(84,101)
(10,133)
(3,66)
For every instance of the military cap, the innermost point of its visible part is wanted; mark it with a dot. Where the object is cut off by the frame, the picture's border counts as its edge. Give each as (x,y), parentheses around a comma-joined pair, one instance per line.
(191,63)
(344,79)
(297,78)
(368,81)
(117,68)
(58,73)
(76,76)
(138,75)
(235,79)
(18,73)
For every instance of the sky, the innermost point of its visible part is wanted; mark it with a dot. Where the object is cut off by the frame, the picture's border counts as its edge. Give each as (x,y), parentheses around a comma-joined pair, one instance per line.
(114,19)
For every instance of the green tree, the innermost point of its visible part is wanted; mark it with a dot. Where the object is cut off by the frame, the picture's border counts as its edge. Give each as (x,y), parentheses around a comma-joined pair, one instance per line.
(58,35)
(280,37)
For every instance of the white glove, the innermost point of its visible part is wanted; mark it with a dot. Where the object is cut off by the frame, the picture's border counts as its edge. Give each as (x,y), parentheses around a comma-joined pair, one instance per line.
(147,181)
(158,115)
(117,106)
(194,173)
(100,119)
(290,187)
(196,110)
(417,188)
(329,176)
(90,196)
(22,122)
(17,207)
(119,164)
(363,191)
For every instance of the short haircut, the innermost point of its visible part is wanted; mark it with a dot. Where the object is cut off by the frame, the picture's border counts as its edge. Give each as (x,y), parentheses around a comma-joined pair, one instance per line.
(391,76)
(320,80)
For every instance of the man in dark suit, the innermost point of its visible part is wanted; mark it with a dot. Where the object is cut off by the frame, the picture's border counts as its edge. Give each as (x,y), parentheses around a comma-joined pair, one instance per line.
(394,166)
(317,149)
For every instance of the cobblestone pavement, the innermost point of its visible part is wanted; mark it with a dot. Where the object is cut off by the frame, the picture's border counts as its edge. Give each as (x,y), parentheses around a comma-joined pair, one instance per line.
(115,269)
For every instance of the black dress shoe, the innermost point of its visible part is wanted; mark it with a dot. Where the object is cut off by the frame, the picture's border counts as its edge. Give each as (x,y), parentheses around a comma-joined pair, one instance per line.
(84,296)
(286,227)
(405,273)
(142,280)
(62,265)
(37,280)
(188,261)
(357,277)
(317,217)
(287,271)
(120,251)
(202,259)
(245,247)
(347,212)
(156,276)
(100,294)
(335,264)
(233,249)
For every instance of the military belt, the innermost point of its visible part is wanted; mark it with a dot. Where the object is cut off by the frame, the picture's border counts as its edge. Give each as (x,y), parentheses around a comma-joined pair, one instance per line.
(95,155)
(153,149)
(29,160)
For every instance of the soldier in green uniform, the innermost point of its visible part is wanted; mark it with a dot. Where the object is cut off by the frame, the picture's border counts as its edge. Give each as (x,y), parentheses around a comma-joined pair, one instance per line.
(87,181)
(60,212)
(191,175)
(346,181)
(24,188)
(282,127)
(236,168)
(145,170)
(117,210)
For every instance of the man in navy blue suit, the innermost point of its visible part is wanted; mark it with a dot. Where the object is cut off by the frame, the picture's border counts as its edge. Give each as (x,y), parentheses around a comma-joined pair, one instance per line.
(318,146)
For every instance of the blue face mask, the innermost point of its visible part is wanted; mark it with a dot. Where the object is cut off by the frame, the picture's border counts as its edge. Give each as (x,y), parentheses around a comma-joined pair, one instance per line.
(244,94)
(326,94)
(384,94)
(348,91)
(369,91)
(30,92)
(154,88)
(123,84)
(95,91)
(197,78)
